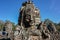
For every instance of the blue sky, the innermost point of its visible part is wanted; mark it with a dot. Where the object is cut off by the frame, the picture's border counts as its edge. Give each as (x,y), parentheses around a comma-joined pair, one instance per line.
(9,9)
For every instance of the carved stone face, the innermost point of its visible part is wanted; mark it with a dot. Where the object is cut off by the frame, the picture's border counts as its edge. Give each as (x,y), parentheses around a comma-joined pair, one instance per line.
(27,20)
(28,16)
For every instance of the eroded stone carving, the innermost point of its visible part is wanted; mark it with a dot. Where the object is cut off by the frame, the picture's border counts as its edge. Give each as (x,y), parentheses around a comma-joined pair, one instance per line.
(30,26)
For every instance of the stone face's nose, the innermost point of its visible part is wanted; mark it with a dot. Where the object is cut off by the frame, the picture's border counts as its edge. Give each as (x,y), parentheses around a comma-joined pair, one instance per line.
(31,23)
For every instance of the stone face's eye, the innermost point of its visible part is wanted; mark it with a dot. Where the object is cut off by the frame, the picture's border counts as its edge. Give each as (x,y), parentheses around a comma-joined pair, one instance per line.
(28,16)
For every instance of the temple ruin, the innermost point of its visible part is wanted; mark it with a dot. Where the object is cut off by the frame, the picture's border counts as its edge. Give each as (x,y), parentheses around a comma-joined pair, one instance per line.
(30,26)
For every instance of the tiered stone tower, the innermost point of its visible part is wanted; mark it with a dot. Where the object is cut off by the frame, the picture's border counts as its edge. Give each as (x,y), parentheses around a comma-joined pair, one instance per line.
(29,15)
(30,24)
(29,19)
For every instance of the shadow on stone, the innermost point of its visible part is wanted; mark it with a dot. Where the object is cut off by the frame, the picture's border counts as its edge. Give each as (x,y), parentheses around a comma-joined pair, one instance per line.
(5,39)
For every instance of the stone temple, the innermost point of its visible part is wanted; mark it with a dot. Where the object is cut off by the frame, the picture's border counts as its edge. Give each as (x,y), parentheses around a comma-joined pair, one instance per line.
(29,15)
(30,26)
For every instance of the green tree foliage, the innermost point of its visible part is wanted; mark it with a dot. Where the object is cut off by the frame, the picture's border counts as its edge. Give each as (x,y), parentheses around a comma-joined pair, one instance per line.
(47,21)
(14,25)
(58,26)
(1,24)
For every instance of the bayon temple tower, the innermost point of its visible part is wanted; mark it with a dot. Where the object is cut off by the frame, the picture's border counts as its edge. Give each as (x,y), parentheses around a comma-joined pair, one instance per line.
(30,23)
(30,26)
(29,15)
